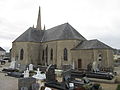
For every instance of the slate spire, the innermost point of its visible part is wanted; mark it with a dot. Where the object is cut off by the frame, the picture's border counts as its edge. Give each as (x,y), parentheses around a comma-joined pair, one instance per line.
(39,20)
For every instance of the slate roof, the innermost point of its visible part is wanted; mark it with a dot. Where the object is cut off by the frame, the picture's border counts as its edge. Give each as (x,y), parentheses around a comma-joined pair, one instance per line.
(60,32)
(30,35)
(1,49)
(91,44)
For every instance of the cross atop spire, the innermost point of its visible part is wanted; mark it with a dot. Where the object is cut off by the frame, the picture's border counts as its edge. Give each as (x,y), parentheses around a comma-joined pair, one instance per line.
(39,20)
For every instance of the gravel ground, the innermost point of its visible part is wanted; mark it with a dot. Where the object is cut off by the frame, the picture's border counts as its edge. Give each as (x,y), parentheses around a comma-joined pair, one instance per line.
(112,86)
(6,82)
(108,86)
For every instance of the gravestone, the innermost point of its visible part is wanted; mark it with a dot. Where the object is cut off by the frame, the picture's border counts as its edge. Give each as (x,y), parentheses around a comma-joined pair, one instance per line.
(12,65)
(18,66)
(26,73)
(22,67)
(30,67)
(66,67)
(50,73)
(35,86)
(67,75)
(26,82)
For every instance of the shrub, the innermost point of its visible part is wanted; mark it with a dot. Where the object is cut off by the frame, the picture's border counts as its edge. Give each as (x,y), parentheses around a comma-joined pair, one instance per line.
(96,86)
(118,87)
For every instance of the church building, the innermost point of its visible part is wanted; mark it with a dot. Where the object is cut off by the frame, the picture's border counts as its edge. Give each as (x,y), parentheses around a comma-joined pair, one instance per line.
(60,45)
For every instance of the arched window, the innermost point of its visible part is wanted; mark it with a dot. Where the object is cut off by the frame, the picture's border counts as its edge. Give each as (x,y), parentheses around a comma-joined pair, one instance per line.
(43,56)
(100,57)
(21,54)
(51,54)
(65,54)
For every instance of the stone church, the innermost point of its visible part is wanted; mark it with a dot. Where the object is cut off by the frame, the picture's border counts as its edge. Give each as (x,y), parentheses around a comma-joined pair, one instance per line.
(60,45)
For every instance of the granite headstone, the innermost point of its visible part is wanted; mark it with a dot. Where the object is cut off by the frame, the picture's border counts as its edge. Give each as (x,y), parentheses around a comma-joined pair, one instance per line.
(50,73)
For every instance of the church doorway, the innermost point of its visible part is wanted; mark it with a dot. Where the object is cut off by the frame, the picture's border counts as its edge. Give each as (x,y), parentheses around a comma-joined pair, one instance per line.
(79,63)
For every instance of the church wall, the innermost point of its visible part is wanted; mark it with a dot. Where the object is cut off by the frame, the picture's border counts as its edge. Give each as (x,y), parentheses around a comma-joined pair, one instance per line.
(34,53)
(58,50)
(16,47)
(50,45)
(107,56)
(61,45)
(88,56)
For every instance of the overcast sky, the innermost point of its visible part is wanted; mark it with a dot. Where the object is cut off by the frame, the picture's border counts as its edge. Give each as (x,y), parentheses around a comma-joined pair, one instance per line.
(94,19)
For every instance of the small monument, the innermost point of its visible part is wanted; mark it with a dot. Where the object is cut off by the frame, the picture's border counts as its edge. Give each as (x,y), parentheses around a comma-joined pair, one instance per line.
(30,67)
(38,71)
(26,73)
(39,75)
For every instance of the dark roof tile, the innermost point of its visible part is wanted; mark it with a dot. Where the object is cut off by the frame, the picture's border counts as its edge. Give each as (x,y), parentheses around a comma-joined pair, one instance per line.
(91,44)
(60,32)
(31,35)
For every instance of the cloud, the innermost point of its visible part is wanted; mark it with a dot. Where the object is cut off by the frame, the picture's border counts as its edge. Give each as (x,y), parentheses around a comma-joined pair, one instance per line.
(98,19)
(109,39)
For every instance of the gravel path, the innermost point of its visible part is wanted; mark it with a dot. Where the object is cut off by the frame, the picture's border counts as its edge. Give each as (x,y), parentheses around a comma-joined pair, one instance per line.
(6,82)
(109,86)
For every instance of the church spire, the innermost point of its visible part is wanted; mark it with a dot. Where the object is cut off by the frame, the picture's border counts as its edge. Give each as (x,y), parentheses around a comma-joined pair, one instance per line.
(39,20)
